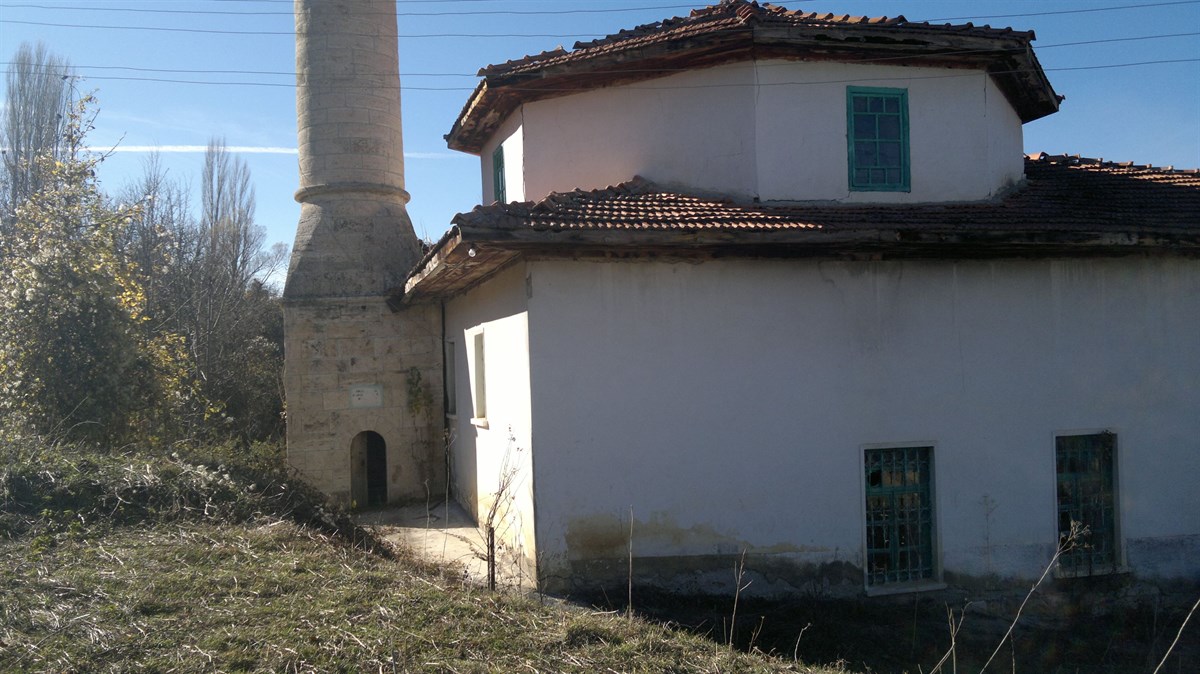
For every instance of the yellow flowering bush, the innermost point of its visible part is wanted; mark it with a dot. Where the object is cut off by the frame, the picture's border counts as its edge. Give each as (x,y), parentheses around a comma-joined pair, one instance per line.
(72,351)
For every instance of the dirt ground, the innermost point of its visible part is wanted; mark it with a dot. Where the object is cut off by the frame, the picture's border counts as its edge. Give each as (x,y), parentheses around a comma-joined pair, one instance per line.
(443,533)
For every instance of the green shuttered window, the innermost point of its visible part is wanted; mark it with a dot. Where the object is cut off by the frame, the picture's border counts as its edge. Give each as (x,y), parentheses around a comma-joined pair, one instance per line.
(899,513)
(1084,467)
(498,191)
(877,129)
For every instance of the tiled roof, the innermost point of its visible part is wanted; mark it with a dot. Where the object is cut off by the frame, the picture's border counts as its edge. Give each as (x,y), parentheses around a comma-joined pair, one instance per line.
(738,30)
(1061,193)
(732,15)
(1067,205)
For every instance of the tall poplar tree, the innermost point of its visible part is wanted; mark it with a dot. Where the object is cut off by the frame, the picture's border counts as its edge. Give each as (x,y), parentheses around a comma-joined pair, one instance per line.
(37,107)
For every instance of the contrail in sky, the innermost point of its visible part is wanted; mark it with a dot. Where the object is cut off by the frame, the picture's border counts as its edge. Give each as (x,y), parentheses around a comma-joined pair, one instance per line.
(248,149)
(252,149)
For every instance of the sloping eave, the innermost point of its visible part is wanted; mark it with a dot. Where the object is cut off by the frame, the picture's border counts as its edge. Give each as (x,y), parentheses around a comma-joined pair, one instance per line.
(1009,60)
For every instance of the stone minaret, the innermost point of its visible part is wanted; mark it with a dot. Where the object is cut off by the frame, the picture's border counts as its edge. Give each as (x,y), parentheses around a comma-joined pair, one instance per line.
(363,383)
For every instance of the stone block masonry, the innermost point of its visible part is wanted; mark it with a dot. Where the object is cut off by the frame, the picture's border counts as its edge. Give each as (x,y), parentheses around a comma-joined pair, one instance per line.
(363,347)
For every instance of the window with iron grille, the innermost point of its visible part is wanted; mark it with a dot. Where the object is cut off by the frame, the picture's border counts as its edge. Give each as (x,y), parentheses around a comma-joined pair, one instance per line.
(498,192)
(877,128)
(1084,468)
(899,514)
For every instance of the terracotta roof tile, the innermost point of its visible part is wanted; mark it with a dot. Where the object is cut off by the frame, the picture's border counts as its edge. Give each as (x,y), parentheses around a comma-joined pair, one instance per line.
(1067,206)
(1061,193)
(725,16)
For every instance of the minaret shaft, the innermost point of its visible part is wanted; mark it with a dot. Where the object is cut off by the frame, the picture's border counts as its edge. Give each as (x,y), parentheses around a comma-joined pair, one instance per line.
(363,383)
(348,105)
(354,237)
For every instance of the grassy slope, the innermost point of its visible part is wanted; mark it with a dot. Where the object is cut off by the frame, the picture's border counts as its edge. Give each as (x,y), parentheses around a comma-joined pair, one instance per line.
(201,572)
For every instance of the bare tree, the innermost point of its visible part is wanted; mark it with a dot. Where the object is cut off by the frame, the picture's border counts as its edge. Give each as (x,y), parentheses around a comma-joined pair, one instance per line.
(227,216)
(215,293)
(205,282)
(233,258)
(161,239)
(37,105)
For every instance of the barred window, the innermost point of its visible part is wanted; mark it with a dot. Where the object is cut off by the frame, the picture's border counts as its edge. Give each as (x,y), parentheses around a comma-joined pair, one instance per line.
(877,121)
(1086,504)
(899,513)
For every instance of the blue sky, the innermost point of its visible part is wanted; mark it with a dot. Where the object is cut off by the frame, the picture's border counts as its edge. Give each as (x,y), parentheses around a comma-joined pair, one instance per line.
(171,74)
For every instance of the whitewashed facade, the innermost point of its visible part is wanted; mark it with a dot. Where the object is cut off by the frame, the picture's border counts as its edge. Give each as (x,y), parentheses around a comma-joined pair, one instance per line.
(772,130)
(727,407)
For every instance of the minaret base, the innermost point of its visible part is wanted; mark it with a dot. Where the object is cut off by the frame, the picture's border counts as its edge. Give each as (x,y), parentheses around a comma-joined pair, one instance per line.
(362,379)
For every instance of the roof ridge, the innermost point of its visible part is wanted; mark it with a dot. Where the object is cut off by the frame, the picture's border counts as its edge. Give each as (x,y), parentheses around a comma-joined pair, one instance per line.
(1101,163)
(745,12)
(636,186)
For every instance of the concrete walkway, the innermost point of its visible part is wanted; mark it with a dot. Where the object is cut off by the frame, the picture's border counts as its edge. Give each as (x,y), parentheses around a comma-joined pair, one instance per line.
(443,534)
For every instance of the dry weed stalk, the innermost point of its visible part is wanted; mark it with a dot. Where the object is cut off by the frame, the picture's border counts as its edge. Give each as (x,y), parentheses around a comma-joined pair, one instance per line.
(501,505)
(1177,635)
(1067,543)
(629,597)
(739,572)
(955,628)
(796,650)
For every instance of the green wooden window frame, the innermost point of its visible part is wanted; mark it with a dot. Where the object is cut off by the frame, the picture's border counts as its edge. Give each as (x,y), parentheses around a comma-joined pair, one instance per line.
(1084,467)
(498,191)
(899,514)
(877,131)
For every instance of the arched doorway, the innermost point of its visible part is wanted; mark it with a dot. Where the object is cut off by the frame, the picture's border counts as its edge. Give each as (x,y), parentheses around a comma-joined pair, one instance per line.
(368,469)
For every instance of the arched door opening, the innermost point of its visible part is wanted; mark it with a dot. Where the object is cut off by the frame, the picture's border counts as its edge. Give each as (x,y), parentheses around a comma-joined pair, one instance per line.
(368,476)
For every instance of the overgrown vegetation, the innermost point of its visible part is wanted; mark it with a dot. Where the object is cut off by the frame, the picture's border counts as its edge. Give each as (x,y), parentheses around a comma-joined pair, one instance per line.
(138,561)
(127,319)
(50,491)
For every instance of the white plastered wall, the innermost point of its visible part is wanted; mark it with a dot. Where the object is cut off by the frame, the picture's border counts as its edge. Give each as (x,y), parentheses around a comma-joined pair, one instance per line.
(691,130)
(725,404)
(1005,137)
(775,130)
(485,451)
(965,139)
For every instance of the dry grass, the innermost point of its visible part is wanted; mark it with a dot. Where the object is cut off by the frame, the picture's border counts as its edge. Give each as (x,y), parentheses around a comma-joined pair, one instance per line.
(274,596)
(199,583)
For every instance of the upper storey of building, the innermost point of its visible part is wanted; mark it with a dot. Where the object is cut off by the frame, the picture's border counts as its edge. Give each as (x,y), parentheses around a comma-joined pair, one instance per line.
(761,103)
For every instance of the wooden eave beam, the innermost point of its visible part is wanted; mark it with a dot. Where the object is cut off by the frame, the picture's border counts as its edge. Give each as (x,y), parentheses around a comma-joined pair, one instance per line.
(468,122)
(452,271)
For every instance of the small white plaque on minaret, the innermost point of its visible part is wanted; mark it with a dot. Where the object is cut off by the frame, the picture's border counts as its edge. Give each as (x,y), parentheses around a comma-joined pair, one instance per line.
(365,396)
